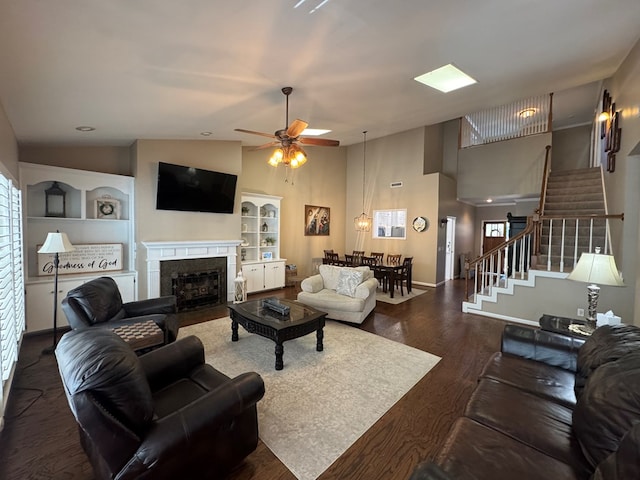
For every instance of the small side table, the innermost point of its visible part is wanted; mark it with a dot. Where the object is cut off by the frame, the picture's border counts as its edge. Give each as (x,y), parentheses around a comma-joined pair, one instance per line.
(553,323)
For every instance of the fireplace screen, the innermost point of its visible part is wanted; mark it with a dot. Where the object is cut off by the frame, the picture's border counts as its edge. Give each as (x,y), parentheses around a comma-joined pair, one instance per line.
(196,283)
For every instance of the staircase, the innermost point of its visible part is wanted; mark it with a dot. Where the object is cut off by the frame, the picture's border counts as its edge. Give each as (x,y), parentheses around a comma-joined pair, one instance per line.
(572,220)
(572,198)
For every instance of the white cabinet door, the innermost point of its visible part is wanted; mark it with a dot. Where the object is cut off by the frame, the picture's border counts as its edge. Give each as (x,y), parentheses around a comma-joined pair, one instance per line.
(127,287)
(273,275)
(254,273)
(39,304)
(39,299)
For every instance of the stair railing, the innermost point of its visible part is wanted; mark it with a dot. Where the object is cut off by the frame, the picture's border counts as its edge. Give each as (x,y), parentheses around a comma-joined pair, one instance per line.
(513,258)
(543,197)
(496,267)
(563,223)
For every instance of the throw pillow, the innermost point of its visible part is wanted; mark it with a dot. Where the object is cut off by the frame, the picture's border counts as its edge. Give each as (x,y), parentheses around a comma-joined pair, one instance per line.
(348,281)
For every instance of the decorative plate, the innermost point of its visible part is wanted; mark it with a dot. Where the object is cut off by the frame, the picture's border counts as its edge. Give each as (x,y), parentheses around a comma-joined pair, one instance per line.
(420,224)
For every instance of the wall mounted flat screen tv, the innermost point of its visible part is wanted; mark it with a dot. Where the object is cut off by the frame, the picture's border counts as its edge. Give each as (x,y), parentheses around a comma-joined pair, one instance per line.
(190,189)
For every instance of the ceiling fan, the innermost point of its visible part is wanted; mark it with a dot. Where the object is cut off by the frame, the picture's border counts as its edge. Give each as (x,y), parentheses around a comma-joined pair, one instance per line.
(288,152)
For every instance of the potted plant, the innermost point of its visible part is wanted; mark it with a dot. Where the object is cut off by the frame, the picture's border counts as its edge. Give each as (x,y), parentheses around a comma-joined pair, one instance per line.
(270,241)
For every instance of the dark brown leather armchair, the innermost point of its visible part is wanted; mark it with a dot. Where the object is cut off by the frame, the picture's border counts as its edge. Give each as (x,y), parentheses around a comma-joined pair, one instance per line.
(99,303)
(163,415)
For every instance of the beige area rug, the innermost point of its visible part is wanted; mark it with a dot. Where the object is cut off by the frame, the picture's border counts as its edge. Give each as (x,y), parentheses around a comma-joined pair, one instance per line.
(321,402)
(397,298)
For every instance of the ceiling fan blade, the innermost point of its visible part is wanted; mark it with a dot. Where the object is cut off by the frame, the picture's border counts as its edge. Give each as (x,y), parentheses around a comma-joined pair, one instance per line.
(323,142)
(267,145)
(255,133)
(296,128)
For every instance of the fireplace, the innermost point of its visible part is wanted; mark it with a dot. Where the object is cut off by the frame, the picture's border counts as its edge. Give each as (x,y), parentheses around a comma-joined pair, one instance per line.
(198,267)
(196,282)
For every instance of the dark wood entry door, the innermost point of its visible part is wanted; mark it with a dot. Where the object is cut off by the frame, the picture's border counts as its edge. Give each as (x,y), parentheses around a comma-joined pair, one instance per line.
(493,234)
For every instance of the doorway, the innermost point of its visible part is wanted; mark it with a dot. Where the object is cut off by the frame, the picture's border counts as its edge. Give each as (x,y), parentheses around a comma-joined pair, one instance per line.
(450,258)
(494,233)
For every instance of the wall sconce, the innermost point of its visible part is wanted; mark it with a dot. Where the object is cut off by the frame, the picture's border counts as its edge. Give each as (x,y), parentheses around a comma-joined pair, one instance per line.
(443,222)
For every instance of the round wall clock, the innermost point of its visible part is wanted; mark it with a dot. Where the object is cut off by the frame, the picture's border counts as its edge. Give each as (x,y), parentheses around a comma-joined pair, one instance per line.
(420,224)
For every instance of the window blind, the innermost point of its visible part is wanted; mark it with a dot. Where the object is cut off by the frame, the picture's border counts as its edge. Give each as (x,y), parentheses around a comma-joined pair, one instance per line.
(12,311)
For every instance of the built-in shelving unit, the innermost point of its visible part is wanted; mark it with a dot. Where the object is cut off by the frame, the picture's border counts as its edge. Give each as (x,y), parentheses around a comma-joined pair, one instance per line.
(260,249)
(98,210)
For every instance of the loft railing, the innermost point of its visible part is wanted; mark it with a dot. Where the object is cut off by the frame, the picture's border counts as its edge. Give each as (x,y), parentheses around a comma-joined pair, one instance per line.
(529,116)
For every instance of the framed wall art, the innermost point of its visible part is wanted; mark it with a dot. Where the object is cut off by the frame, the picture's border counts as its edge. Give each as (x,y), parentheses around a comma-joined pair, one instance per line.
(317,220)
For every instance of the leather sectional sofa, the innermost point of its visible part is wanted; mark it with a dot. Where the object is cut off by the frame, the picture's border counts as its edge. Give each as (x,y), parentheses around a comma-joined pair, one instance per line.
(550,406)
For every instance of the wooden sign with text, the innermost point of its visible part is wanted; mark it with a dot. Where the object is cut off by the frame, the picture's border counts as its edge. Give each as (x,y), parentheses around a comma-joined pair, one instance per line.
(93,257)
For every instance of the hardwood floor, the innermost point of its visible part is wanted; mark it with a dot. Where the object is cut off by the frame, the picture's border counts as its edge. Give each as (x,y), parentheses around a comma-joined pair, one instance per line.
(40,438)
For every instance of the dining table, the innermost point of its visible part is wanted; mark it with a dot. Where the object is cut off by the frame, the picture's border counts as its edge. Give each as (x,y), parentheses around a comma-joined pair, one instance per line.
(388,271)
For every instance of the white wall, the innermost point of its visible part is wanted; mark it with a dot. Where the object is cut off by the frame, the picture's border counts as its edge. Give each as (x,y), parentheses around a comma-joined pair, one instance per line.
(623,193)
(161,225)
(8,148)
(512,168)
(396,158)
(321,181)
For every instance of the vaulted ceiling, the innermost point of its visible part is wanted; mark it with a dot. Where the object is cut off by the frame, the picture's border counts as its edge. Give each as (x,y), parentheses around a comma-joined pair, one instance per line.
(166,69)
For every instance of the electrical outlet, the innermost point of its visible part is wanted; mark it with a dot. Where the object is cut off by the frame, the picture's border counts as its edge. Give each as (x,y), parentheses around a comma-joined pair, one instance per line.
(581,312)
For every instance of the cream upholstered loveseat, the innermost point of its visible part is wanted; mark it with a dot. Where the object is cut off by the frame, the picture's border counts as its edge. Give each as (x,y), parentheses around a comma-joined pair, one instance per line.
(345,293)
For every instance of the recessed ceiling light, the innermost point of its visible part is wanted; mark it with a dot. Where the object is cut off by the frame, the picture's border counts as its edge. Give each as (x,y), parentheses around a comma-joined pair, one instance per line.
(314,132)
(85,128)
(446,79)
(489,200)
(206,134)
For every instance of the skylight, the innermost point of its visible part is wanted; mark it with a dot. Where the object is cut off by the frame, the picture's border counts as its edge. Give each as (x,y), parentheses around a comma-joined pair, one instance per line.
(446,79)
(314,132)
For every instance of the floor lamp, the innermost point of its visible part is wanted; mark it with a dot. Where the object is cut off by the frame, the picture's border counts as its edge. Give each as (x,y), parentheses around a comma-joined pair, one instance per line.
(55,243)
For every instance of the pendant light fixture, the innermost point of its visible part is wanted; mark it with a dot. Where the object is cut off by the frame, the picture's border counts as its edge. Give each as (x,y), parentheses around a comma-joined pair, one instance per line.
(363,221)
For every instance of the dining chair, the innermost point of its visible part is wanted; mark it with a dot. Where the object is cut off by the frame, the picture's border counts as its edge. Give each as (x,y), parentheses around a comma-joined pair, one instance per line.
(327,252)
(369,261)
(333,258)
(404,276)
(350,260)
(393,259)
(381,274)
(358,254)
(378,256)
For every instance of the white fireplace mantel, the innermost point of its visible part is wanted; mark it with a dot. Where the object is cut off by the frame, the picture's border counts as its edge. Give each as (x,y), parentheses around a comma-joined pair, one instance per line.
(179,250)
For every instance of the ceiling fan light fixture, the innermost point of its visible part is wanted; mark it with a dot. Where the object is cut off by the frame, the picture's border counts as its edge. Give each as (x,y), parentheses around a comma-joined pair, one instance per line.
(276,157)
(295,157)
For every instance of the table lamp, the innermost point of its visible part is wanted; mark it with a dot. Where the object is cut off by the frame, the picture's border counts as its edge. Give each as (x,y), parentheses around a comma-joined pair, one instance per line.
(593,268)
(56,243)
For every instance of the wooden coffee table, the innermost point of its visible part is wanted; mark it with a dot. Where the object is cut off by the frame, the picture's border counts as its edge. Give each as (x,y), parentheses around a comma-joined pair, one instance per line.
(258,319)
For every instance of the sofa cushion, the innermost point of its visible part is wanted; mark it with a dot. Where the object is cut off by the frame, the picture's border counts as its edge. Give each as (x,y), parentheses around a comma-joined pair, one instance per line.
(513,412)
(330,298)
(608,408)
(607,344)
(623,463)
(475,451)
(331,274)
(348,281)
(534,377)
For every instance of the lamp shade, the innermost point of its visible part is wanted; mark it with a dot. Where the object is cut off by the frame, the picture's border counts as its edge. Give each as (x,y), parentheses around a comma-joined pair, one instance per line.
(56,242)
(597,268)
